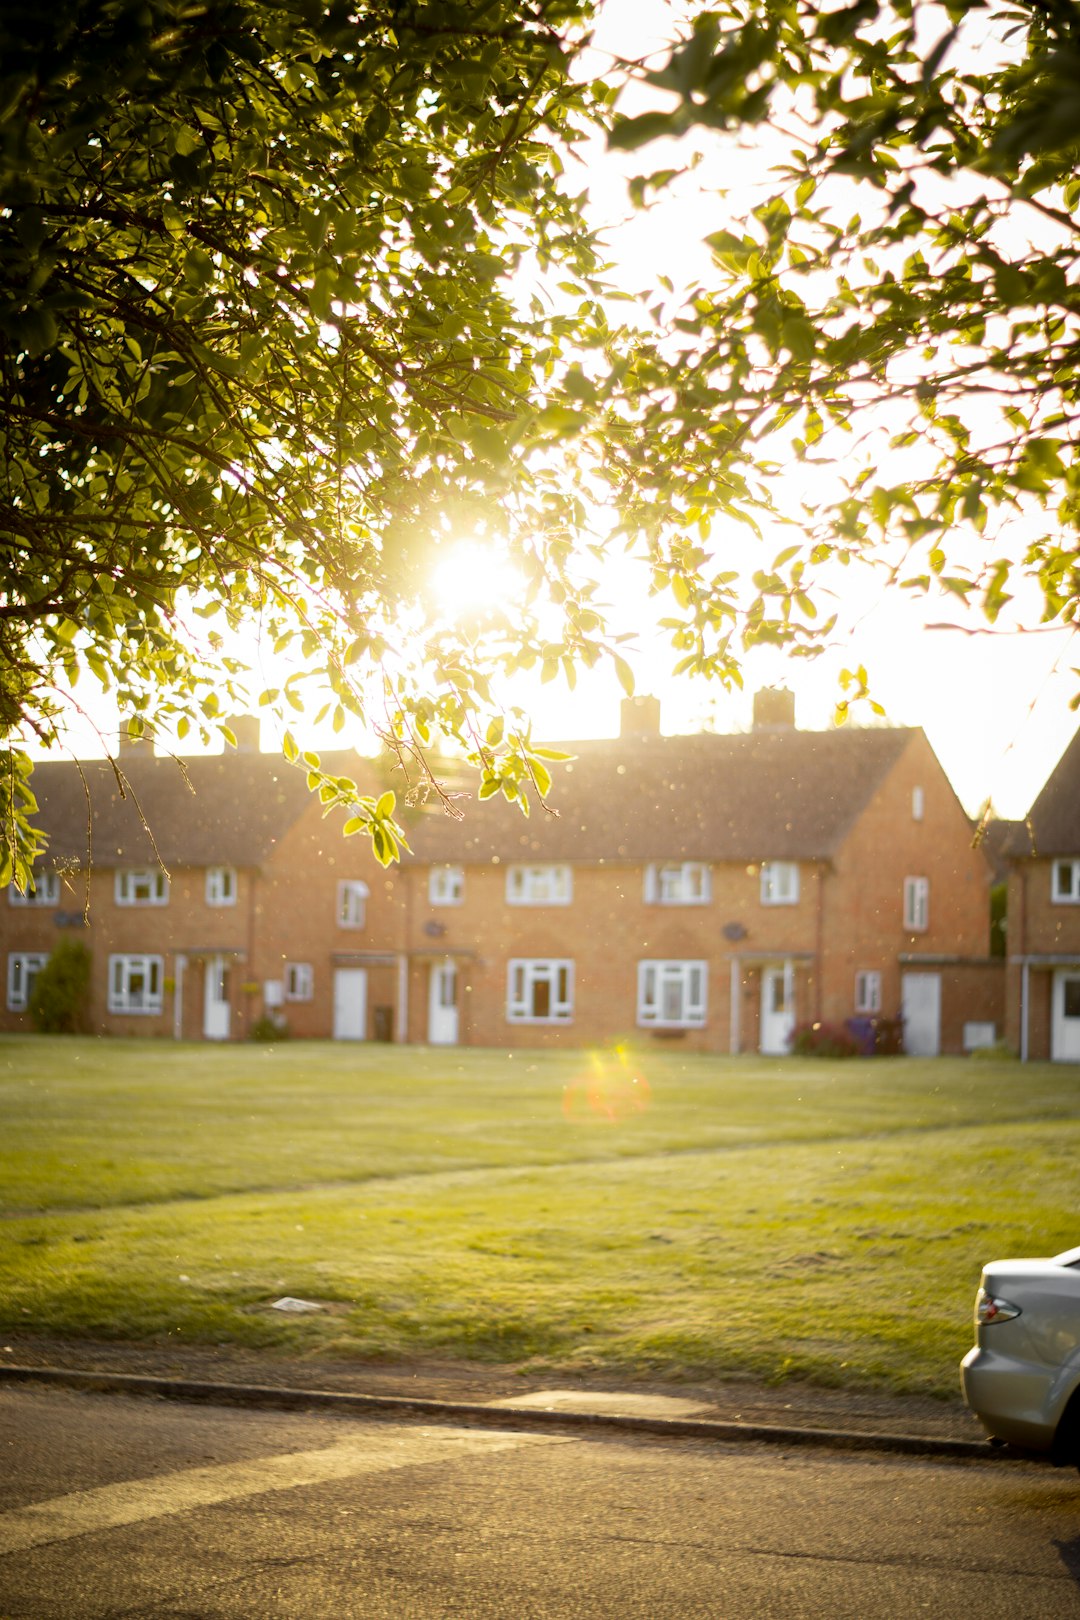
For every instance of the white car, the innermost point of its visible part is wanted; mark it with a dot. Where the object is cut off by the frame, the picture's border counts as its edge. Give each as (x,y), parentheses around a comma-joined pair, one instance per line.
(1022,1379)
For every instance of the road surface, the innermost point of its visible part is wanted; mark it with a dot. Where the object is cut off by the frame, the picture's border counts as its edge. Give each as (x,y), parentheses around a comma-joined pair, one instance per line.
(114,1507)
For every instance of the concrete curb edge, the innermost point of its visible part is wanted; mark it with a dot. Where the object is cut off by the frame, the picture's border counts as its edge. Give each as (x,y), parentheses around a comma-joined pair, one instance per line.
(264,1395)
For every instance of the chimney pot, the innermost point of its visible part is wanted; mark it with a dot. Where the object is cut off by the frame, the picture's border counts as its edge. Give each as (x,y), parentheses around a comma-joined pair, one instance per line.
(774,709)
(132,742)
(246,728)
(639,717)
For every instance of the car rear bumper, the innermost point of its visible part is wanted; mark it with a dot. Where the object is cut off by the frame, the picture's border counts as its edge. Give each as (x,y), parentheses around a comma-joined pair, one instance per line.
(1014,1400)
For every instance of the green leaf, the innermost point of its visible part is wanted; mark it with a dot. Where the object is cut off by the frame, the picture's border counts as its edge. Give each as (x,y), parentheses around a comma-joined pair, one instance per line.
(625,675)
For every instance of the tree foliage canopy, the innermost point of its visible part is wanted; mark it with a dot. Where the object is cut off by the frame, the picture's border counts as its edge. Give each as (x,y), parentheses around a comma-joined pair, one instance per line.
(292,292)
(902,307)
(261,350)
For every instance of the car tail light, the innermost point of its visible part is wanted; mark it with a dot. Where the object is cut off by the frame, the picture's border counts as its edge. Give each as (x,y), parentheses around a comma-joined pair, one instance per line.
(991,1308)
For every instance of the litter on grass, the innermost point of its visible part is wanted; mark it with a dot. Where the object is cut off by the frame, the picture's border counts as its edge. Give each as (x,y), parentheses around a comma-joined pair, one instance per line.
(297,1307)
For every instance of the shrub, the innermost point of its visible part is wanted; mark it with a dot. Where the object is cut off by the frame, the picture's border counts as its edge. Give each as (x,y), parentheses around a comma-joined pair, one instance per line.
(269,1028)
(824,1041)
(888,1036)
(58,1000)
(1000,1052)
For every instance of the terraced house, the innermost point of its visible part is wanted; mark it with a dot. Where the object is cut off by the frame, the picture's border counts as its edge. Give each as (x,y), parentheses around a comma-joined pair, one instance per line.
(1043,912)
(712,890)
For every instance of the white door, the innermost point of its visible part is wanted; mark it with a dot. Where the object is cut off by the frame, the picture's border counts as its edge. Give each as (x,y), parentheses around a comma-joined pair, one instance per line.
(443,1004)
(216,999)
(350,1004)
(920,1005)
(777,1011)
(1065,1029)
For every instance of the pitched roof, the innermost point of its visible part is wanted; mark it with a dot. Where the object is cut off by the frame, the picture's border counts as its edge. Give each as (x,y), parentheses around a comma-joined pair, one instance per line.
(1052,825)
(221,809)
(773,794)
(997,845)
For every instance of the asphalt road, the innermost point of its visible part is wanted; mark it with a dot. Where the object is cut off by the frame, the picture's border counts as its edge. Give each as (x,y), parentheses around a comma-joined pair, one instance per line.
(113,1507)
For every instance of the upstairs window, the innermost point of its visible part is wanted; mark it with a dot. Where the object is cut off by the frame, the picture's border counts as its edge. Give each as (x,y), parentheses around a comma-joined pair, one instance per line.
(352,898)
(142,886)
(918,803)
(221,886)
(299,981)
(1066,884)
(779,883)
(916,904)
(539,886)
(540,991)
(671,995)
(677,883)
(43,890)
(446,885)
(868,992)
(23,969)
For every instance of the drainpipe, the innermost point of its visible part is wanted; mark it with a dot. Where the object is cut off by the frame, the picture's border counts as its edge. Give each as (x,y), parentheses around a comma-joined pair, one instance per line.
(178,998)
(819,965)
(252,923)
(1025,972)
(403,996)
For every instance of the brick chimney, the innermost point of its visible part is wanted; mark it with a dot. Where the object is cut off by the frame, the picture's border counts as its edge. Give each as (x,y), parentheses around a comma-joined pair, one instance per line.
(639,717)
(129,742)
(246,728)
(774,709)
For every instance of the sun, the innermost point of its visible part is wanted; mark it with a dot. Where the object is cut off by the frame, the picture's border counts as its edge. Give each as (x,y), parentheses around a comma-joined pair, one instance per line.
(473,577)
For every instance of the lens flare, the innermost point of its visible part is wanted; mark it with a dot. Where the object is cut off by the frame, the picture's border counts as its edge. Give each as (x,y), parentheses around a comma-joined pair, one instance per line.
(611,1091)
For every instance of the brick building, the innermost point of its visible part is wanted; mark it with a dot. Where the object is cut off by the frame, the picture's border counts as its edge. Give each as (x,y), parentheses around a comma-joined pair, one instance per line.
(715,890)
(1043,911)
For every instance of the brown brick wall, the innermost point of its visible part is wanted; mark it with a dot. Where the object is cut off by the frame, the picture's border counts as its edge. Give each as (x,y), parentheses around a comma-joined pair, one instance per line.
(848,918)
(606,930)
(863,925)
(1037,925)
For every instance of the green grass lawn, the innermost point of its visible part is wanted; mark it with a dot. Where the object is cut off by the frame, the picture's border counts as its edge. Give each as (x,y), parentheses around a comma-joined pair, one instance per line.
(681,1215)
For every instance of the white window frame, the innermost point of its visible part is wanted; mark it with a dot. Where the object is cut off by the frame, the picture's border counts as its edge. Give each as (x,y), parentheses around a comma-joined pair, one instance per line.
(527,974)
(868,991)
(1061,894)
(678,883)
(918,803)
(43,890)
(917,904)
(352,898)
(779,883)
(299,981)
(446,886)
(141,886)
(123,970)
(546,883)
(221,885)
(689,980)
(23,968)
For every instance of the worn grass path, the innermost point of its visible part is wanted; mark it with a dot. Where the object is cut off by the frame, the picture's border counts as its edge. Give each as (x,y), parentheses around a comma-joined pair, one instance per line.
(682,1217)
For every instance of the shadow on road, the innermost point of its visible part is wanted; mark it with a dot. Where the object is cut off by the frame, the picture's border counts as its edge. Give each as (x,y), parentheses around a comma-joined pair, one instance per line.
(1069,1553)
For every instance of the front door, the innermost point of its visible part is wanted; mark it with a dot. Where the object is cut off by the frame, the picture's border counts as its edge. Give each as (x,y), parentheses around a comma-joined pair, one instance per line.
(920,1006)
(350,1004)
(1065,1028)
(216,1020)
(777,1011)
(443,1004)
